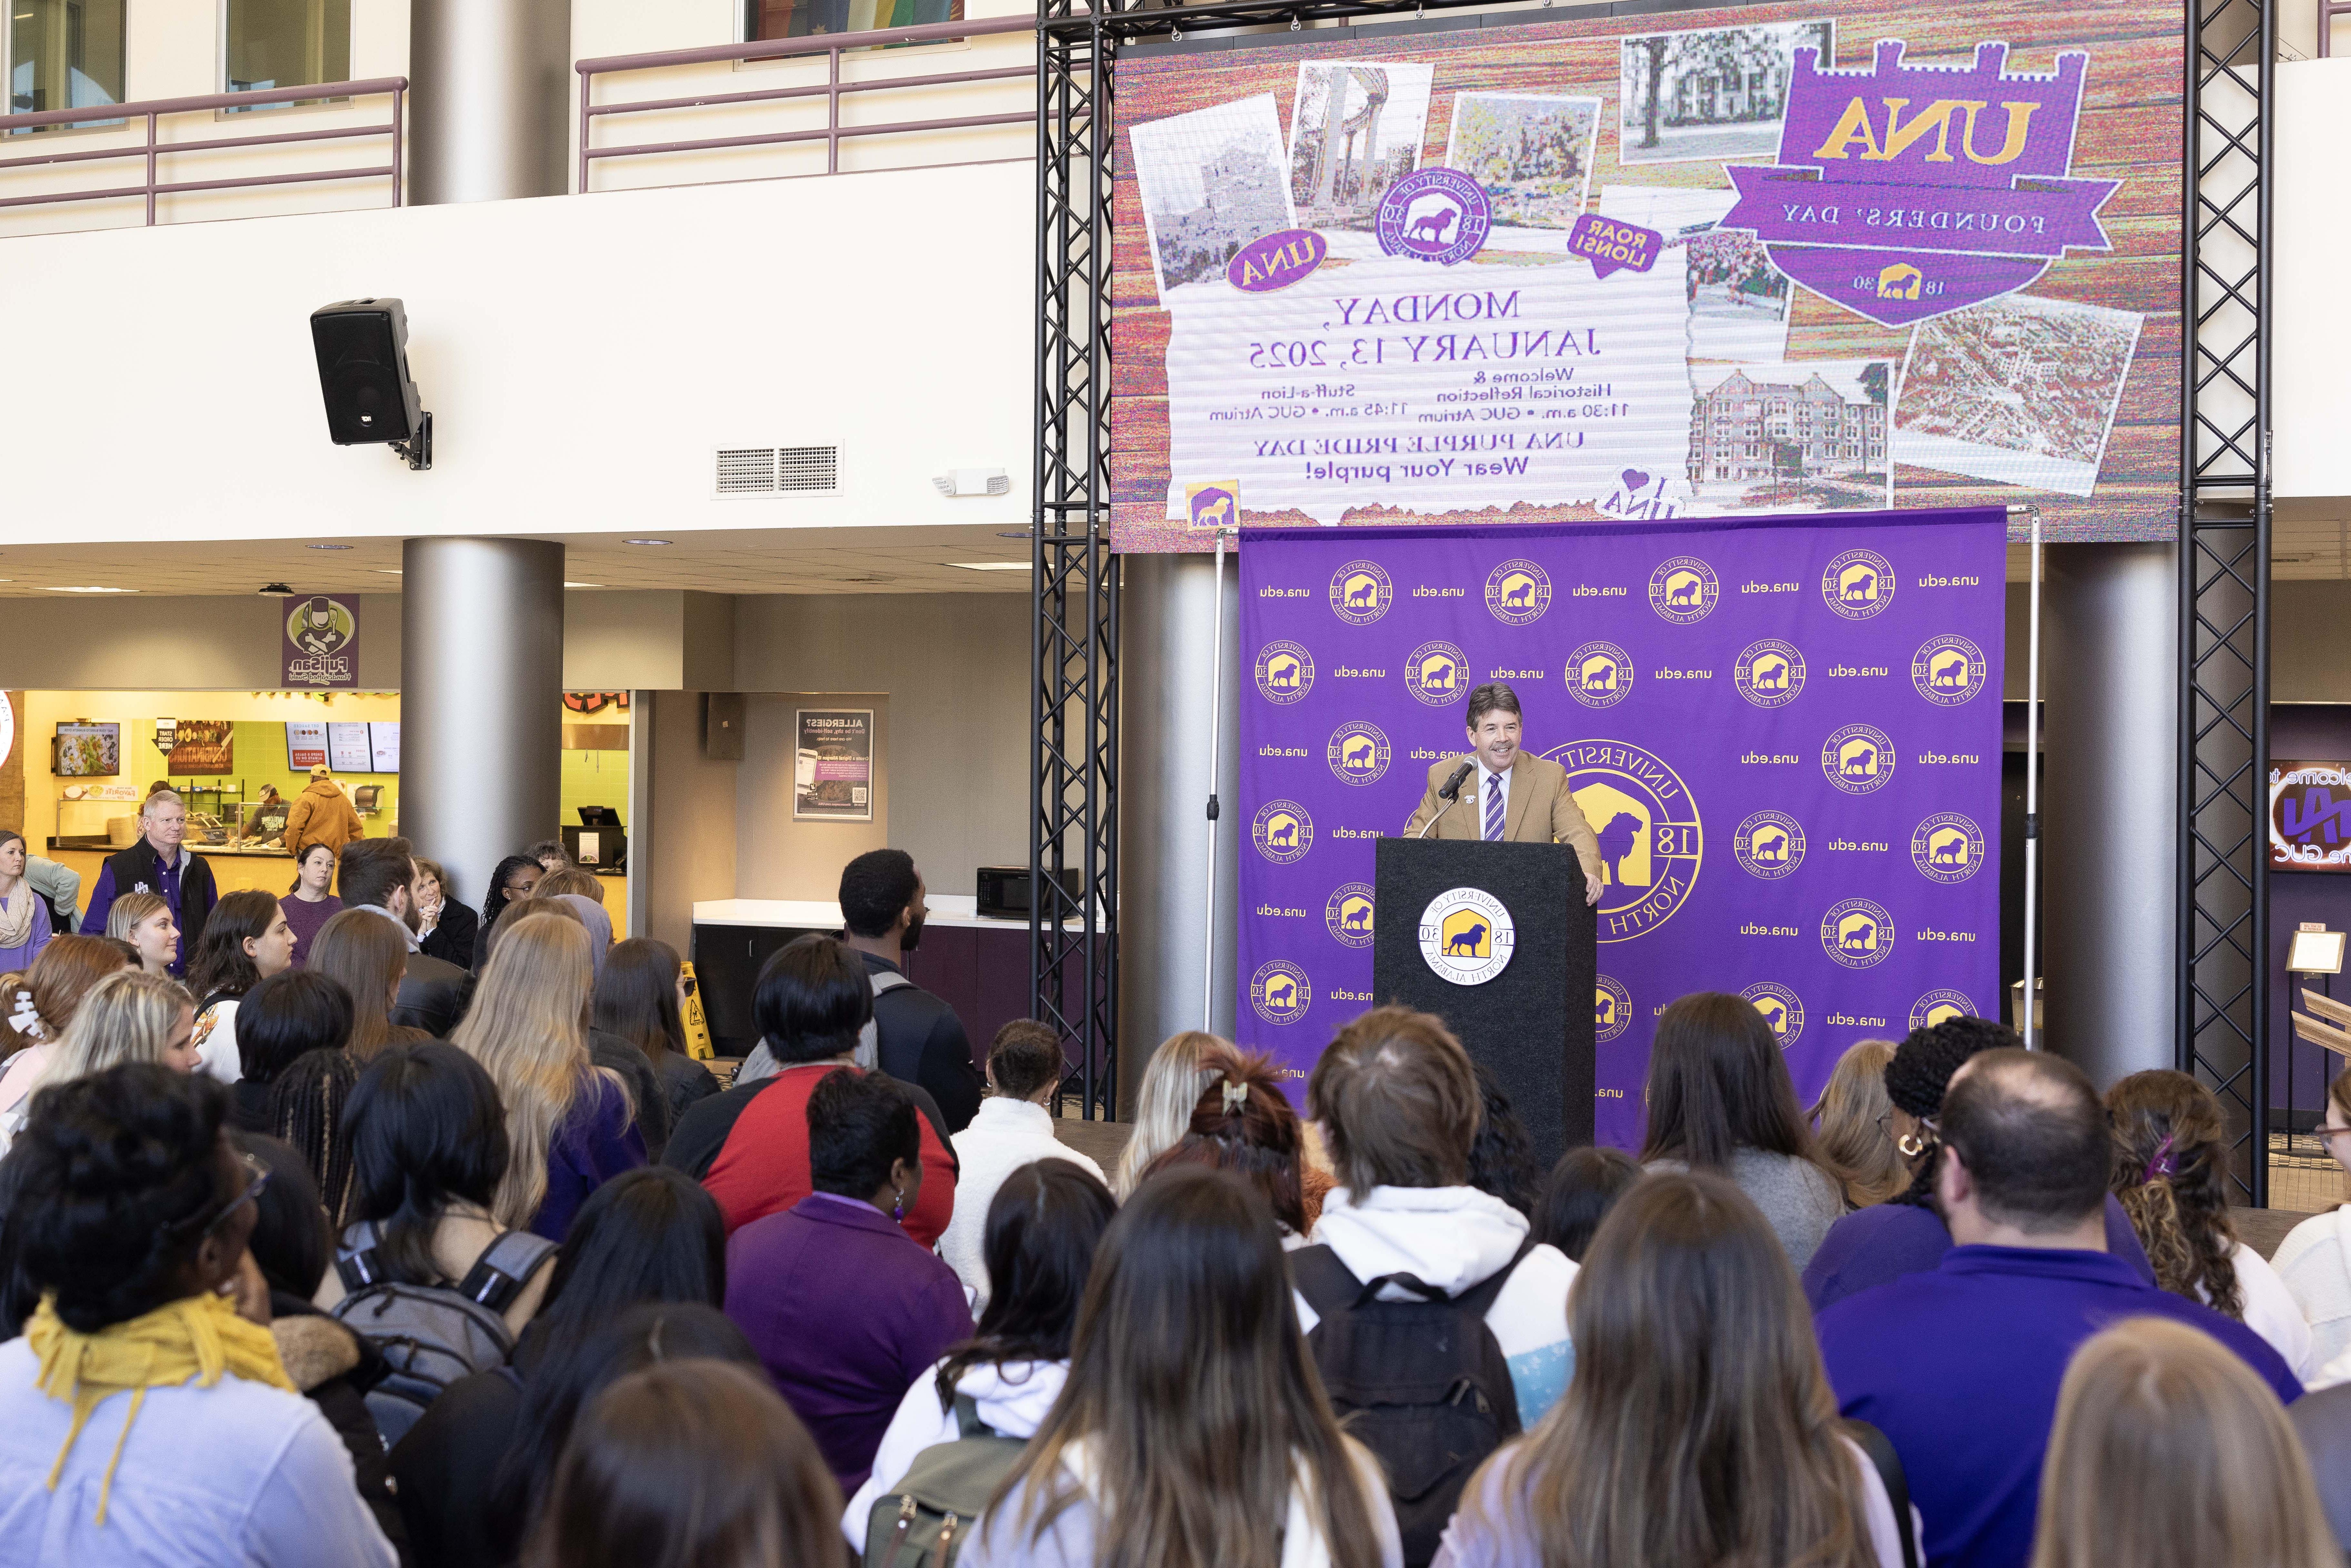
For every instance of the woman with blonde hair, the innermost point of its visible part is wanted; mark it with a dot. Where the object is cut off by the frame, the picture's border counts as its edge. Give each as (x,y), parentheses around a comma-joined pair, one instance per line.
(68,968)
(1854,1124)
(144,920)
(1699,1426)
(569,1123)
(364,953)
(129,1016)
(2170,1452)
(1173,1082)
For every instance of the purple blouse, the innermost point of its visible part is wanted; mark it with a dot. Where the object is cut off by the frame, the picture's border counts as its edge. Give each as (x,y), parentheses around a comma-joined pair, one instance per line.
(846,1310)
(306,919)
(21,957)
(598,1142)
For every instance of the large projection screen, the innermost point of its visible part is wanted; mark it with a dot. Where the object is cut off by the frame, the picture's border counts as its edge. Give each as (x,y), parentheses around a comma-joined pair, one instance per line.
(1763,259)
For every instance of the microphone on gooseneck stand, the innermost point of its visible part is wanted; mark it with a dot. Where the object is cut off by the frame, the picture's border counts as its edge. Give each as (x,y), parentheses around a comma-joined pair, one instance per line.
(1448,793)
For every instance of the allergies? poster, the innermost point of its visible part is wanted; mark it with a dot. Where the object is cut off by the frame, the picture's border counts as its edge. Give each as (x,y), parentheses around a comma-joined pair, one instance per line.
(833,774)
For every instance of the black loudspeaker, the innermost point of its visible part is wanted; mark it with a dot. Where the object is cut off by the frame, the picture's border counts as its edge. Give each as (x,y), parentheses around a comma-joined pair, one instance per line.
(362,348)
(722,726)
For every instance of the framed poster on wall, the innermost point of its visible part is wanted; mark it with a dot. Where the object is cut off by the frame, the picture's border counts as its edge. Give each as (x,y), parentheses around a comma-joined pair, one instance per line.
(833,765)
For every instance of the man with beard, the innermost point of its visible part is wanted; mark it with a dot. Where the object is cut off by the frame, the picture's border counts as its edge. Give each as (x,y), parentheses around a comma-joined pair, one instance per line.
(912,1036)
(916,1037)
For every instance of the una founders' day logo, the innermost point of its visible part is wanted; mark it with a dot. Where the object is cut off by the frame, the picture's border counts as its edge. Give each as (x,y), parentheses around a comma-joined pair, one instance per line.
(320,625)
(1769,844)
(1781,1008)
(1947,670)
(1436,215)
(1437,673)
(1857,934)
(1683,589)
(1974,162)
(1285,673)
(1946,847)
(1650,842)
(1611,1009)
(1769,673)
(1348,914)
(1940,1006)
(1518,592)
(1282,831)
(1361,592)
(1214,506)
(1599,675)
(1858,584)
(1279,993)
(1858,760)
(1466,935)
(1358,753)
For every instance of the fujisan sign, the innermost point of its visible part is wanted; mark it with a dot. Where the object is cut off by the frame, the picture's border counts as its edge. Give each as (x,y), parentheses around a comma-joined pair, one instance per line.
(320,646)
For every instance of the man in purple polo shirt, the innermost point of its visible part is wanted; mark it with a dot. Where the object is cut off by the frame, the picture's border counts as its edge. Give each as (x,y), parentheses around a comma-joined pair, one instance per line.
(1961,1367)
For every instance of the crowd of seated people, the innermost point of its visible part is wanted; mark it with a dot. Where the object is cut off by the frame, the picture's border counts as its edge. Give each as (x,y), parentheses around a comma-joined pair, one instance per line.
(306,1263)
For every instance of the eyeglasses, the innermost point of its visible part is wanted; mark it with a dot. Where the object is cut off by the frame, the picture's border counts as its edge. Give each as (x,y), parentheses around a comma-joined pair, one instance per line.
(2325,1133)
(258,1175)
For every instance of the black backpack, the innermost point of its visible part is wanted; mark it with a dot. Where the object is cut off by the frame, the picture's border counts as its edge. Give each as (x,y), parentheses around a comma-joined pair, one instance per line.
(431,1335)
(1423,1383)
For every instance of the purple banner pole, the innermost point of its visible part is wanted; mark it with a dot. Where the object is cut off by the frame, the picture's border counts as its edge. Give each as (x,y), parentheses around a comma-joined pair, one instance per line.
(1786,735)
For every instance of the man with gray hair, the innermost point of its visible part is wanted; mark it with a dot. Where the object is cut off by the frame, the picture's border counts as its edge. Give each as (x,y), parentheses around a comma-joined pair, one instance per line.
(158,863)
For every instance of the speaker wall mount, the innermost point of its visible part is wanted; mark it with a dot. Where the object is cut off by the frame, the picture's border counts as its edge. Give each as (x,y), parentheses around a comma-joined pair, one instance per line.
(361,347)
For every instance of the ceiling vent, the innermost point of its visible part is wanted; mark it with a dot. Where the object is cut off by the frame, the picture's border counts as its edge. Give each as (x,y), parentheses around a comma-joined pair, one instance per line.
(768,470)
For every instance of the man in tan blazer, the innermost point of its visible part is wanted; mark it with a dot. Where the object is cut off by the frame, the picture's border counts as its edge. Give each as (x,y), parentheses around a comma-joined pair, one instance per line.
(1508,795)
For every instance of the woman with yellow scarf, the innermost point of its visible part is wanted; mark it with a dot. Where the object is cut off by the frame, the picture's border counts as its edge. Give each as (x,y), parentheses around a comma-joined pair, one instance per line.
(145,1415)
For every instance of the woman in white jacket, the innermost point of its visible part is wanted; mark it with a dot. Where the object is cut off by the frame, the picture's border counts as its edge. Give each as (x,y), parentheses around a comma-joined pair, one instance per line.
(2315,1259)
(1192,1412)
(1042,1227)
(2171,1175)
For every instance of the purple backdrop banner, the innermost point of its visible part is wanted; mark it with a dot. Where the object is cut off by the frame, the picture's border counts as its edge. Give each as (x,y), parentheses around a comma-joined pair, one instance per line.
(1787,736)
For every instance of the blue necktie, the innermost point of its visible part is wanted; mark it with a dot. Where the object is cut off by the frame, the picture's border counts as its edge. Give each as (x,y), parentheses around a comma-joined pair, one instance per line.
(1493,807)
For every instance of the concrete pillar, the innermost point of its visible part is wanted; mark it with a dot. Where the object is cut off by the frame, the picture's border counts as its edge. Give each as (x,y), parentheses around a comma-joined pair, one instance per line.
(2109,678)
(1164,670)
(490,101)
(480,700)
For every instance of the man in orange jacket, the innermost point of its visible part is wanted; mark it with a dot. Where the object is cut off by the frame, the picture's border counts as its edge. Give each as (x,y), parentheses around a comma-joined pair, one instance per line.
(321,814)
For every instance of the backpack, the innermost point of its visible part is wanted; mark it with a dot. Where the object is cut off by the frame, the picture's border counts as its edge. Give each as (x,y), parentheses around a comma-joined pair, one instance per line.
(1423,1383)
(926,1520)
(431,1335)
(762,1063)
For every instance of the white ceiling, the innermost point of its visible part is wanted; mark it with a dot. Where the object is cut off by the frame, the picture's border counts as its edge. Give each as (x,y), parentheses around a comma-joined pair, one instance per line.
(769,561)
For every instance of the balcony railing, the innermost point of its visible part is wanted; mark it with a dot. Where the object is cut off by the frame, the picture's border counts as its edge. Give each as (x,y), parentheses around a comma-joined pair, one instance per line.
(832,89)
(152,151)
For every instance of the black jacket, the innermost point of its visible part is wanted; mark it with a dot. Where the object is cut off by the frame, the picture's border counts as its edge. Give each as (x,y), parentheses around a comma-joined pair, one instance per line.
(434,995)
(922,1041)
(447,1471)
(452,941)
(140,866)
(610,1050)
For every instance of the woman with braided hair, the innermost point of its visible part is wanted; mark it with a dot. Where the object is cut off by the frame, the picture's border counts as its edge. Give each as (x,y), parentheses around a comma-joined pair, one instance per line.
(1906,1235)
(2171,1173)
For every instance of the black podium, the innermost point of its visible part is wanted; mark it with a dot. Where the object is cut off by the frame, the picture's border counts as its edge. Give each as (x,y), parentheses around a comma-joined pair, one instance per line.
(1496,939)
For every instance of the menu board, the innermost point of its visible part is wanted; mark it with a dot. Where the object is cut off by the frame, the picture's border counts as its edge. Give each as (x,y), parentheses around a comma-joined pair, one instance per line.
(306,744)
(346,748)
(383,747)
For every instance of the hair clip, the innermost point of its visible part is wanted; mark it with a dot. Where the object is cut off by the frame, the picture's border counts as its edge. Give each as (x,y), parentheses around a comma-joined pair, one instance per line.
(1235,1096)
(2163,1166)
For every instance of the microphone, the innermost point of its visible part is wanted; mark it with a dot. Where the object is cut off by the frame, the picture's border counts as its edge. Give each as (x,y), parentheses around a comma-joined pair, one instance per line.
(1449,792)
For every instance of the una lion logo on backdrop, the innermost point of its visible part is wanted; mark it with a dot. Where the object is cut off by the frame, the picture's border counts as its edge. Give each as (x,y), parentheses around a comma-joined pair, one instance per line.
(1347,914)
(1857,934)
(1684,589)
(1361,592)
(1940,1006)
(1285,673)
(1279,992)
(1282,831)
(1358,753)
(1770,672)
(1437,673)
(1518,592)
(1858,585)
(1769,844)
(1947,847)
(1599,675)
(1650,838)
(1947,670)
(1781,1008)
(1858,760)
(1611,1009)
